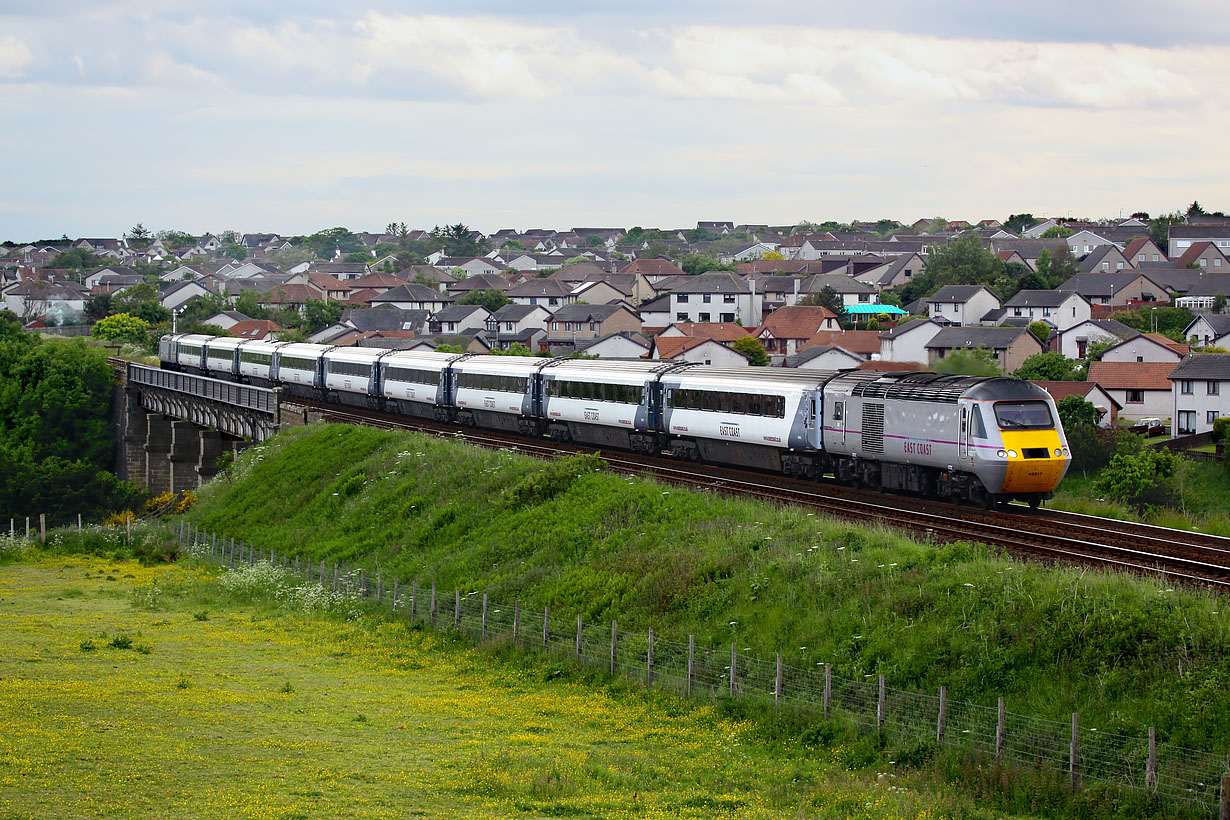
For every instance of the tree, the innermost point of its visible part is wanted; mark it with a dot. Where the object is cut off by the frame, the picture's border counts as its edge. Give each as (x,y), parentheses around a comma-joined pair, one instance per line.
(98,306)
(121,327)
(139,232)
(515,349)
(1194,210)
(248,303)
(1057,232)
(325,243)
(1041,331)
(318,315)
(937,225)
(229,237)
(355,257)
(591,241)
(752,348)
(964,261)
(457,240)
(287,258)
(141,301)
(772,256)
(174,240)
(977,361)
(492,300)
(75,259)
(698,263)
(1074,411)
(447,348)
(515,244)
(1048,367)
(1140,478)
(1219,303)
(1159,228)
(826,297)
(1168,321)
(236,252)
(1017,223)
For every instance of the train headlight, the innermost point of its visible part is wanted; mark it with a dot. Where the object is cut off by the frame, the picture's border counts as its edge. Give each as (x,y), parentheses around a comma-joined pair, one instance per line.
(1066,451)
(1012,454)
(1002,453)
(1058,453)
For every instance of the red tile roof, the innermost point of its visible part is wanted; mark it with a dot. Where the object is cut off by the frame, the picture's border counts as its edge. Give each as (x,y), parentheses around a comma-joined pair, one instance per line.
(721,331)
(797,321)
(254,328)
(1131,375)
(863,342)
(671,346)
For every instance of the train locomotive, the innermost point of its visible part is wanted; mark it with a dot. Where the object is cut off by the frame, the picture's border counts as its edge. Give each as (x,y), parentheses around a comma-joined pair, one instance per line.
(967,439)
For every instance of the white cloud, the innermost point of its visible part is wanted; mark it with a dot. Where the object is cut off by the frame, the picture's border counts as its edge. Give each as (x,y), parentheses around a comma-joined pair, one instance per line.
(14,57)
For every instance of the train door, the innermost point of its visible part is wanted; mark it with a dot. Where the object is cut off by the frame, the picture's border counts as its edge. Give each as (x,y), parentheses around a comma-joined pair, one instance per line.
(814,420)
(963,433)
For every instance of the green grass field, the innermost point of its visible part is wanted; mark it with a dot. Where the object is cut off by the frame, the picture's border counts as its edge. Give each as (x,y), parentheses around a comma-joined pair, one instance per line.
(142,692)
(1125,652)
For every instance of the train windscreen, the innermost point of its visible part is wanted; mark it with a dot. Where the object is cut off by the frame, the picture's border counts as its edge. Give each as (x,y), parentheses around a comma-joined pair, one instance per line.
(1023,415)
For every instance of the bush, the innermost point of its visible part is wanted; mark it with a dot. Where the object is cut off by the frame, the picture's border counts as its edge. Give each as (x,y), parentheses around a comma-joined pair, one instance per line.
(544,485)
(121,327)
(1221,426)
(1137,478)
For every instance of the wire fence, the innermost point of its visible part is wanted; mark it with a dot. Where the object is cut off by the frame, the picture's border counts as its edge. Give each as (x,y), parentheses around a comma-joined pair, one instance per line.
(1081,754)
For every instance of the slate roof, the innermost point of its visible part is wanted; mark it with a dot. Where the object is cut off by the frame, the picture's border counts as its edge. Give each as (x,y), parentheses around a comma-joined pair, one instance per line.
(540,288)
(585,313)
(970,336)
(804,356)
(712,282)
(839,282)
(1103,284)
(515,313)
(413,292)
(1211,284)
(1131,375)
(1213,366)
(901,329)
(955,293)
(1199,232)
(1061,390)
(1039,298)
(384,318)
(1111,326)
(1220,322)
(460,313)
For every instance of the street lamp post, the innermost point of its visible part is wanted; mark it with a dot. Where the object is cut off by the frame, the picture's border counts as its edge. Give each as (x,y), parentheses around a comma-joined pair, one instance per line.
(1153,319)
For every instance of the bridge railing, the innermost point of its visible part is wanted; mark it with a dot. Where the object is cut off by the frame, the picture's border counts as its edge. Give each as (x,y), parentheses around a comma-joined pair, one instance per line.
(261,399)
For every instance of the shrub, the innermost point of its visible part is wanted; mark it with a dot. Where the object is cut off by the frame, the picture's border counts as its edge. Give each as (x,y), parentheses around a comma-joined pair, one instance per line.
(121,327)
(158,502)
(120,642)
(1221,427)
(1136,478)
(543,485)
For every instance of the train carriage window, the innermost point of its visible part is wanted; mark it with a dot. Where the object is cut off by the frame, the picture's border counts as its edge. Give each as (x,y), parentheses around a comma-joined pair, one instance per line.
(976,427)
(755,404)
(770,406)
(707,400)
(695,400)
(738,403)
(723,402)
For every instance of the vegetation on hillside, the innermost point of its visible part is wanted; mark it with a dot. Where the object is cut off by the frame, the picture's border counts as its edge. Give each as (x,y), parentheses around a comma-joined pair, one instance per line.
(1125,652)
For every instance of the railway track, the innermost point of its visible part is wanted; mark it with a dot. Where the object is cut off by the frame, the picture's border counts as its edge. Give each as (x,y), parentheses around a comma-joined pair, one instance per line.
(1052,536)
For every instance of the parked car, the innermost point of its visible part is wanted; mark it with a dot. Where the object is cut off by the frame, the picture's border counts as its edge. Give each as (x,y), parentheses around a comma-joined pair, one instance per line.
(1148,428)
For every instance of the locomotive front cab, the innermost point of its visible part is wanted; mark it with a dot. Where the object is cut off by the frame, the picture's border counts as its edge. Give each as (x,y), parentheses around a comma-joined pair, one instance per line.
(1033,445)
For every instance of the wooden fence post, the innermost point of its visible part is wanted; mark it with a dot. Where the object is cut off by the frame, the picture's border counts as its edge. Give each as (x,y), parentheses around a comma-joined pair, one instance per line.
(379,588)
(942,720)
(649,662)
(1151,763)
(614,644)
(336,577)
(433,603)
(322,573)
(1000,725)
(181,529)
(42,527)
(456,609)
(579,652)
(1073,752)
(546,627)
(27,528)
(414,599)
(1223,808)
(828,689)
(395,593)
(285,560)
(880,703)
(484,616)
(516,619)
(734,660)
(128,530)
(777,684)
(691,663)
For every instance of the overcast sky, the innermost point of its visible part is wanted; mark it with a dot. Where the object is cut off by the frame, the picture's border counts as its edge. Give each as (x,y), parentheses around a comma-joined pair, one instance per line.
(295,116)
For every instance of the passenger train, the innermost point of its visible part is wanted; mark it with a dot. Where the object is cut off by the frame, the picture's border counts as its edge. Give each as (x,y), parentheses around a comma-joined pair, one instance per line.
(962,438)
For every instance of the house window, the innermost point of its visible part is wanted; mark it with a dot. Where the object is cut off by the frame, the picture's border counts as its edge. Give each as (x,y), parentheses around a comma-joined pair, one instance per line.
(1211,416)
(1045,312)
(1140,257)
(1187,422)
(1185,387)
(681,298)
(704,317)
(1213,388)
(1140,358)
(1217,261)
(681,317)
(1204,263)
(1135,397)
(728,299)
(728,317)
(555,325)
(706,298)
(508,325)
(593,326)
(553,301)
(533,300)
(1155,259)
(864,297)
(1105,266)
(1016,311)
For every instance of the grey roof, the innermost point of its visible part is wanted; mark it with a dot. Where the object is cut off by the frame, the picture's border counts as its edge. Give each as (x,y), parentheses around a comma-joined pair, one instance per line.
(1215,366)
(630,335)
(515,313)
(1220,322)
(412,292)
(839,282)
(538,288)
(479,281)
(1091,262)
(1200,231)
(458,313)
(1028,248)
(1040,298)
(712,282)
(584,313)
(1103,284)
(1113,327)
(384,318)
(659,305)
(1211,284)
(1174,279)
(956,293)
(904,328)
(810,353)
(992,337)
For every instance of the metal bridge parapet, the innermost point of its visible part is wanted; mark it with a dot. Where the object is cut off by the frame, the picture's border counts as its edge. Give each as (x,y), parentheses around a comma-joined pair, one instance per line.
(237,409)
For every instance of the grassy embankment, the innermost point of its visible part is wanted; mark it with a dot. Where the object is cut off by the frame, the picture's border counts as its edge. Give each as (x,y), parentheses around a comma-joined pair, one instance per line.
(1124,652)
(1200,492)
(156,692)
